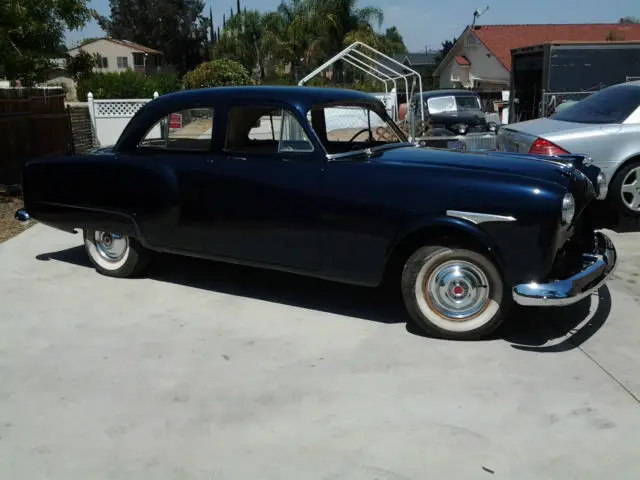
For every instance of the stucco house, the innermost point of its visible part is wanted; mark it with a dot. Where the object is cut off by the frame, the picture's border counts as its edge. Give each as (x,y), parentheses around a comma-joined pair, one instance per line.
(481,57)
(120,55)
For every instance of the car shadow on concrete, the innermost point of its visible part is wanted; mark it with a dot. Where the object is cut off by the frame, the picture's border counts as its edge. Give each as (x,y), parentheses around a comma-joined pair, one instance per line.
(605,217)
(527,329)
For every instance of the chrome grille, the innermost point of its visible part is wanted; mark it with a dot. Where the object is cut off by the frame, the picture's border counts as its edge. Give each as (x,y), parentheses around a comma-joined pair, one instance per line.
(479,142)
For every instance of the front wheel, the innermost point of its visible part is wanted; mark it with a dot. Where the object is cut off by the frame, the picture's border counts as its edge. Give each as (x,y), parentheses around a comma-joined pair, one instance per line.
(453,293)
(115,255)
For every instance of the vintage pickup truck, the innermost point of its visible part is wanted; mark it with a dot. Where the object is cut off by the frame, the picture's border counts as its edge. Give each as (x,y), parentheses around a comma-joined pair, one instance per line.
(260,176)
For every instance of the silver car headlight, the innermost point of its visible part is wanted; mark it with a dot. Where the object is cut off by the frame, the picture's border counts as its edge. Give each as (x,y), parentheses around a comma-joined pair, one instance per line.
(568,209)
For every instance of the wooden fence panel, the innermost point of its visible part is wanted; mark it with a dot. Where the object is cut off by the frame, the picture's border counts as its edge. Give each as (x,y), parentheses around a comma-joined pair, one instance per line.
(32,124)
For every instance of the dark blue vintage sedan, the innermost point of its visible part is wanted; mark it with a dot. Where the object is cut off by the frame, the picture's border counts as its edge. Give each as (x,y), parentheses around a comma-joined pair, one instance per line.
(321,182)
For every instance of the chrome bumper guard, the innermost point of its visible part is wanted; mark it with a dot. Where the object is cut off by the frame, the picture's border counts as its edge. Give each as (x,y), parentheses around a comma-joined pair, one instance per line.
(597,268)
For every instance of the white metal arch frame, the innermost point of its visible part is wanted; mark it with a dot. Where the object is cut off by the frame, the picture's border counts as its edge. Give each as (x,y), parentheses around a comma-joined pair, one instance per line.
(400,72)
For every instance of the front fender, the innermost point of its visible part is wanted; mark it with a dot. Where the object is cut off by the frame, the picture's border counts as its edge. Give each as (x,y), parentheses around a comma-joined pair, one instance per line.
(443,225)
(520,250)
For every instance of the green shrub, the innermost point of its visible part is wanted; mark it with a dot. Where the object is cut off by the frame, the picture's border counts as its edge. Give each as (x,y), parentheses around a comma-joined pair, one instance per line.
(217,73)
(166,82)
(128,84)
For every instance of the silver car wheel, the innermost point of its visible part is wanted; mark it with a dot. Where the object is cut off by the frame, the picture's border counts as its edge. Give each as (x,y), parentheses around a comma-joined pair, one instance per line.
(630,190)
(111,246)
(458,290)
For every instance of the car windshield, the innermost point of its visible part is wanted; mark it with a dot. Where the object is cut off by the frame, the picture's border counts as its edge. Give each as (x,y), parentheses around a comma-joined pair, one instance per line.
(453,103)
(611,105)
(346,128)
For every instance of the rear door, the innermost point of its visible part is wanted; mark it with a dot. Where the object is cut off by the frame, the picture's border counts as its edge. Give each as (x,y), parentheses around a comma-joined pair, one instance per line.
(175,151)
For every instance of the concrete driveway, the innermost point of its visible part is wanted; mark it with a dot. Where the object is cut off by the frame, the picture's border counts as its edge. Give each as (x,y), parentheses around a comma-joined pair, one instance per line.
(209,371)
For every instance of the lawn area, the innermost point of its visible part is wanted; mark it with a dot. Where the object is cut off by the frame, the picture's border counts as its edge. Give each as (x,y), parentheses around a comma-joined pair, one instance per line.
(9,226)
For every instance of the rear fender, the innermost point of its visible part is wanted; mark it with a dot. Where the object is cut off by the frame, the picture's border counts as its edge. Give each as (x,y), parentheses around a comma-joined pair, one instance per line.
(70,218)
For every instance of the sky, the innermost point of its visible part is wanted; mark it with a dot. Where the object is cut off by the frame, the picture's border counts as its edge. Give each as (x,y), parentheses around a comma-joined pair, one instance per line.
(426,24)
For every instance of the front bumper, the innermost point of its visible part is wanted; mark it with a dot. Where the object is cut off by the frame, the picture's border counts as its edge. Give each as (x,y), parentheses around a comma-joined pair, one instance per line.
(598,265)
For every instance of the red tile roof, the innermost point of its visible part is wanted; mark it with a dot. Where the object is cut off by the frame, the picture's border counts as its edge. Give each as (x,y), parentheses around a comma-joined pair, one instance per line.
(460,60)
(500,39)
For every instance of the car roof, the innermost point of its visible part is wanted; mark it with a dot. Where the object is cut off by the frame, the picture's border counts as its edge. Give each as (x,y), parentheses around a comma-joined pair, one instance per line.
(301,96)
(443,92)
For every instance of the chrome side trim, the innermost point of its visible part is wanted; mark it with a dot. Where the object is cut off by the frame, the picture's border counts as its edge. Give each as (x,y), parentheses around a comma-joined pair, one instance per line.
(599,266)
(478,218)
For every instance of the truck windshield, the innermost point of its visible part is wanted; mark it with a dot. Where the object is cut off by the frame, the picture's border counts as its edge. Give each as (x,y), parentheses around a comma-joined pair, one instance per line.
(453,103)
(611,105)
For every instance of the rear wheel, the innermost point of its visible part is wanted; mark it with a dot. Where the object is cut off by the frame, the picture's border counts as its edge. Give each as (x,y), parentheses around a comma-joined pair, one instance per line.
(114,254)
(624,191)
(454,293)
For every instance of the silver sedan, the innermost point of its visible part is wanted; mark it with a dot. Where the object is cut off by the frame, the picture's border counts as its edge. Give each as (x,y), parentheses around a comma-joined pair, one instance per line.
(604,126)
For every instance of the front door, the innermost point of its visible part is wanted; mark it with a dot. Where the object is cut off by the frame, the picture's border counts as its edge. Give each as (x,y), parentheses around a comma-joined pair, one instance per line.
(263,205)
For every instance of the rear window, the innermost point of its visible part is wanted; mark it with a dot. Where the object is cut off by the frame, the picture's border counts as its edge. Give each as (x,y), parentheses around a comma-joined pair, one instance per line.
(611,105)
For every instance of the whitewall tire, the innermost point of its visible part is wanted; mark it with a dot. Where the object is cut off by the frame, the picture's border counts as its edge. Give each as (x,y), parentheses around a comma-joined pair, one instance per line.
(114,254)
(454,293)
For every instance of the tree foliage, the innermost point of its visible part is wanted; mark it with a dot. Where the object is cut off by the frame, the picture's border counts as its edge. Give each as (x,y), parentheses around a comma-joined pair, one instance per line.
(81,64)
(444,49)
(176,28)
(629,20)
(301,34)
(217,73)
(32,34)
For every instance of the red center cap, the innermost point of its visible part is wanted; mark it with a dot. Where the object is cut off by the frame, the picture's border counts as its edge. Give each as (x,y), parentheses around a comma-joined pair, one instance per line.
(458,290)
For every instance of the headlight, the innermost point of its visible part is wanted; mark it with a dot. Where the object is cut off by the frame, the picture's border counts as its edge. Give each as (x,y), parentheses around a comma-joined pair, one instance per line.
(492,126)
(602,186)
(568,209)
(460,128)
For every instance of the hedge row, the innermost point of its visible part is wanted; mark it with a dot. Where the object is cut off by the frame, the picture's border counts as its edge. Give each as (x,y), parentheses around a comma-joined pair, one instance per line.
(128,84)
(215,73)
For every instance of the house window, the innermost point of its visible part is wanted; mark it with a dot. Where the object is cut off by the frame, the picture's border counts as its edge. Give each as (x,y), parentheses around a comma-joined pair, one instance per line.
(123,62)
(103,62)
(472,40)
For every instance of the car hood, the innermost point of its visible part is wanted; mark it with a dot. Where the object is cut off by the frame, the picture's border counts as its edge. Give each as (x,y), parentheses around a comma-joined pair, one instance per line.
(526,166)
(546,127)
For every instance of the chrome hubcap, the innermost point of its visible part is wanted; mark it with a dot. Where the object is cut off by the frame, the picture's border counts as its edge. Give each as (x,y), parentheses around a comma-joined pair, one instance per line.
(457,290)
(111,246)
(631,189)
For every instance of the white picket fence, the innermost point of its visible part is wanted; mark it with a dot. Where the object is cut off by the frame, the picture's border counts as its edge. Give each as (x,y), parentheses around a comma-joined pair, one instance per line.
(110,117)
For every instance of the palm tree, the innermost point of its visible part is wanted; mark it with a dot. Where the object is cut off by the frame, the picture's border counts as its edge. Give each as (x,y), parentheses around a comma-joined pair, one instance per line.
(290,34)
(243,41)
(344,23)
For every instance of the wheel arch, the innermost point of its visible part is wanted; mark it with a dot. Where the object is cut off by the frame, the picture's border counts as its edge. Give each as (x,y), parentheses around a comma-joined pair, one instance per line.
(633,158)
(450,231)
